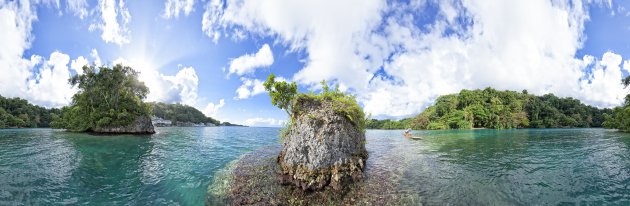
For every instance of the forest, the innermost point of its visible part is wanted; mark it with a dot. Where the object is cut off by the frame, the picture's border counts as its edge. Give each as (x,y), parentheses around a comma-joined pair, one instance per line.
(19,113)
(492,109)
(182,113)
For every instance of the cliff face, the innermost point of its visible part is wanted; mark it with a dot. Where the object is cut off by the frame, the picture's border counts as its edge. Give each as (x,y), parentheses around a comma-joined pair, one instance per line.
(322,148)
(142,125)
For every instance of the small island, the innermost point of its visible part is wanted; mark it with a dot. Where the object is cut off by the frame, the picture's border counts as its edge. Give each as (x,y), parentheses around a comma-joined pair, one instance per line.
(109,100)
(322,159)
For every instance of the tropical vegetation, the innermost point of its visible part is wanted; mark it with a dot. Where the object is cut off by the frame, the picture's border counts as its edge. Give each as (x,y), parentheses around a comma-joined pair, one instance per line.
(620,118)
(489,108)
(285,95)
(179,113)
(19,113)
(106,97)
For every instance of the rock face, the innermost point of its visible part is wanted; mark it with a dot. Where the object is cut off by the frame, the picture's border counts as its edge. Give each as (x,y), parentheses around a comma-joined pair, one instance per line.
(323,148)
(142,125)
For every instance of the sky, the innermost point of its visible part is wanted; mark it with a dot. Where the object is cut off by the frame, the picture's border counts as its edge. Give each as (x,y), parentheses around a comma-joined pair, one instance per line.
(396,57)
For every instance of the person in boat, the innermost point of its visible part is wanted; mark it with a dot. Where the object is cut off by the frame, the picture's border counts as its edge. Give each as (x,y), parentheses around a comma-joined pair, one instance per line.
(407,133)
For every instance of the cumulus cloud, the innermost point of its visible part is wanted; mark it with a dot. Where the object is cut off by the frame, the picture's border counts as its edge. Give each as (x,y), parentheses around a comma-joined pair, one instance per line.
(249,88)
(172,8)
(50,85)
(179,88)
(247,63)
(36,79)
(77,64)
(264,122)
(601,86)
(397,66)
(114,20)
(15,28)
(212,109)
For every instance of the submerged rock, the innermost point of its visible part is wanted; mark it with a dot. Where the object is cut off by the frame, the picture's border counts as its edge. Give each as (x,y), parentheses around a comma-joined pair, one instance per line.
(322,148)
(142,125)
(251,180)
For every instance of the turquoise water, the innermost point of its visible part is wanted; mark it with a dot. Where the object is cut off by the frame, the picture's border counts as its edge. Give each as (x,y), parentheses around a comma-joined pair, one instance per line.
(176,165)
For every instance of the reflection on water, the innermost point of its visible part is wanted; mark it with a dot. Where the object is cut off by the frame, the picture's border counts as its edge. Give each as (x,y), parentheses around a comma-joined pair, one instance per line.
(521,167)
(176,165)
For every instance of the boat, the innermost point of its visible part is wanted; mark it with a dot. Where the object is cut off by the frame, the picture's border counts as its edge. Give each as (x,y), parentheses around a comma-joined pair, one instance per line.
(408,134)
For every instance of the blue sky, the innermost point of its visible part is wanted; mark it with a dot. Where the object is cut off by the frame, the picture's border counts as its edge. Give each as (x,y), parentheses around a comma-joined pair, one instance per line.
(395,56)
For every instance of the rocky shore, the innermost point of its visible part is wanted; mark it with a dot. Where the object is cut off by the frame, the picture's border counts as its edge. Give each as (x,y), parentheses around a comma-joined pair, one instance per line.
(323,148)
(142,125)
(323,160)
(252,180)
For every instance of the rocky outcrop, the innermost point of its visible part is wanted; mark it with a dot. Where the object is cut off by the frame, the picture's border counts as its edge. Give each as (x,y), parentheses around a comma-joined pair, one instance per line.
(142,125)
(323,147)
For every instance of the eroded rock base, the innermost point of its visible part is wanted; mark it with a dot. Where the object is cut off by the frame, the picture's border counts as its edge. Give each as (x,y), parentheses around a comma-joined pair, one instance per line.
(253,180)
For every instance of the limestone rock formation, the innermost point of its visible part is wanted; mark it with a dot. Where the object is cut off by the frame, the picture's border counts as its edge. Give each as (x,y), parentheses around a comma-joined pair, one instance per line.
(323,147)
(142,125)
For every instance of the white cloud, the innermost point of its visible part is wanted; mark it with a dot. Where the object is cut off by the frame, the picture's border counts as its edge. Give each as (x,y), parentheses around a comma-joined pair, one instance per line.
(247,63)
(16,18)
(186,83)
(327,33)
(172,8)
(50,84)
(264,122)
(97,59)
(249,88)
(78,7)
(43,82)
(179,88)
(397,67)
(114,20)
(77,64)
(212,109)
(602,86)
(211,19)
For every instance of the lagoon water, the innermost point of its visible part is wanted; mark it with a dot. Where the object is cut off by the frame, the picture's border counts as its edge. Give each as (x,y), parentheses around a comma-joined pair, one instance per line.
(176,165)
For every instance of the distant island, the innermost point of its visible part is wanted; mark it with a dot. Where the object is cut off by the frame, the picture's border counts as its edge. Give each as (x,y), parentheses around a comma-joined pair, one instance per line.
(109,101)
(19,113)
(166,115)
(492,109)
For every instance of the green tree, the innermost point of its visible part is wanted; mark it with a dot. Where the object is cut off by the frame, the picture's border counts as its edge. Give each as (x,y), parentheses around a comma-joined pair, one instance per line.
(494,109)
(620,119)
(281,93)
(106,97)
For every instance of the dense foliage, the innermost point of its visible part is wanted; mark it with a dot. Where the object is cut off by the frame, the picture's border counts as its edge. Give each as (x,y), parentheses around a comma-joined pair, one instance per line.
(181,113)
(494,109)
(620,118)
(284,95)
(18,113)
(106,97)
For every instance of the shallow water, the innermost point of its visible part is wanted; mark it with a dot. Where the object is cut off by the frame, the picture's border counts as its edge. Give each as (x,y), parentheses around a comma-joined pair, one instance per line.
(173,167)
(176,165)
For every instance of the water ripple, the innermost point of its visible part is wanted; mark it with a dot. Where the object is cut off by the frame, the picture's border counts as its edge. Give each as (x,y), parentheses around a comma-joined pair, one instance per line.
(175,166)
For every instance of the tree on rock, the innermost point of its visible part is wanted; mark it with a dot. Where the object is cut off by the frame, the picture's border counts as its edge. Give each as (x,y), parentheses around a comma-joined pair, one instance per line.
(324,143)
(109,100)
(281,93)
